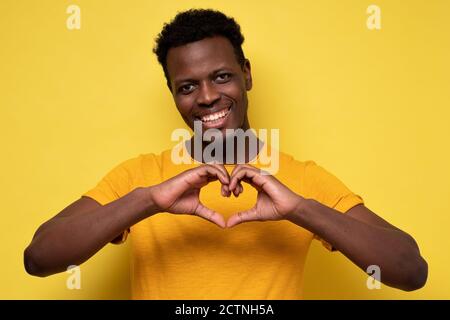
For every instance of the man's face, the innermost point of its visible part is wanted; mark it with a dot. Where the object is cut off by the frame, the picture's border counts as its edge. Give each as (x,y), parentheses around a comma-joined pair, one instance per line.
(209,85)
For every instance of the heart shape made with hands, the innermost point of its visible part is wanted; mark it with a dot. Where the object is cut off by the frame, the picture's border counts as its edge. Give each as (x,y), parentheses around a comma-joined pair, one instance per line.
(180,194)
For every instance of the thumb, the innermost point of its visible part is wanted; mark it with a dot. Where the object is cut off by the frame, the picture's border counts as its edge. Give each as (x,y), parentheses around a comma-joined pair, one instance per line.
(242,216)
(210,215)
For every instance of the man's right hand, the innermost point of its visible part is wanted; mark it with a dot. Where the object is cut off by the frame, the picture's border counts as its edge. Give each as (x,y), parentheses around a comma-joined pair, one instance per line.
(180,194)
(85,226)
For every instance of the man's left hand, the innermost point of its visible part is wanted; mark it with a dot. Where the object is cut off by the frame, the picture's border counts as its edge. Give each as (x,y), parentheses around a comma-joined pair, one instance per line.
(275,201)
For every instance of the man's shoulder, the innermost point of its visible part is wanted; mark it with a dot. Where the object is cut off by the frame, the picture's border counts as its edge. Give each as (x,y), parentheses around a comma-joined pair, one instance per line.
(141,162)
(289,162)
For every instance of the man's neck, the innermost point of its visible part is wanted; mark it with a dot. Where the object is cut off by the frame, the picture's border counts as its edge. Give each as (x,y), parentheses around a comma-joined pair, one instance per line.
(239,152)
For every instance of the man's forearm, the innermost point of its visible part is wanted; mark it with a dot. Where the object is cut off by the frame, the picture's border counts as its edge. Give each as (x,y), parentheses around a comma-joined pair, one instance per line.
(72,240)
(392,250)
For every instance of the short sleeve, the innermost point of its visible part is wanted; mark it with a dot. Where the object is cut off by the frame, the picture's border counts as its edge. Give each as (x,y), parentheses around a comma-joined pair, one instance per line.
(327,189)
(114,185)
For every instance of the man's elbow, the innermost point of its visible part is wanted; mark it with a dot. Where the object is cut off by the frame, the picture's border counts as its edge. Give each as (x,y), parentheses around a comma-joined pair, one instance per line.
(417,276)
(31,263)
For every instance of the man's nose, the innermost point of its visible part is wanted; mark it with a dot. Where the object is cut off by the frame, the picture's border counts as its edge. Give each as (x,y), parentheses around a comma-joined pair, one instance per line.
(207,95)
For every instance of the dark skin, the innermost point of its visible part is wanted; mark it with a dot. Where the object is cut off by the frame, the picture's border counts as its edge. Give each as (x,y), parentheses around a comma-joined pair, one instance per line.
(204,80)
(205,77)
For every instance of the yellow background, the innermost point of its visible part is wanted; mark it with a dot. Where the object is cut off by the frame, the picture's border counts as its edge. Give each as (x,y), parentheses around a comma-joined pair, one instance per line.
(370,106)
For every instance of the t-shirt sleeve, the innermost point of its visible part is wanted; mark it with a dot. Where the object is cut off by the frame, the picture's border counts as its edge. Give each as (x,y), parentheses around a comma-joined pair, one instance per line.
(327,189)
(114,185)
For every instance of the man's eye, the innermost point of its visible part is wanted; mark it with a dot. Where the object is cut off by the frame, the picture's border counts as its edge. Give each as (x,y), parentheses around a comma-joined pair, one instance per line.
(223,77)
(188,88)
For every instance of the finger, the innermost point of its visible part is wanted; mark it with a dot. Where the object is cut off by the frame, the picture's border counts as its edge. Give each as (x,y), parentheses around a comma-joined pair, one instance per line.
(235,192)
(221,167)
(239,167)
(210,215)
(247,175)
(225,177)
(241,187)
(243,216)
(234,172)
(225,191)
(250,182)
(213,172)
(238,190)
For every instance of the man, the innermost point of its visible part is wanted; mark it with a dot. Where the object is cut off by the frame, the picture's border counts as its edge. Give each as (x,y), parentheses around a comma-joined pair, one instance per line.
(227,254)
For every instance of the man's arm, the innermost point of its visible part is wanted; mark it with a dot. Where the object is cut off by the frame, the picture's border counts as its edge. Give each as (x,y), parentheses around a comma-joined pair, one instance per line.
(360,234)
(83,228)
(366,239)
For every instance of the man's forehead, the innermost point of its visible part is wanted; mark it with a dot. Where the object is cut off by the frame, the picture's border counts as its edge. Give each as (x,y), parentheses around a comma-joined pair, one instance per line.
(201,56)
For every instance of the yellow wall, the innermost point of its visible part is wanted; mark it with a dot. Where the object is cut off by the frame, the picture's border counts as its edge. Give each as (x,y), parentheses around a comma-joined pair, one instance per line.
(370,106)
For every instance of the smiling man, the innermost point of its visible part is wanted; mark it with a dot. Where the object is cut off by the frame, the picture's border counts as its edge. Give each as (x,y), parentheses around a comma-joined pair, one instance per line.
(196,232)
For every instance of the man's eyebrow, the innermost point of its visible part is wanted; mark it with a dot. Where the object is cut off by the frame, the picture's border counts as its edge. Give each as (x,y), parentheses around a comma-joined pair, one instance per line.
(177,82)
(224,68)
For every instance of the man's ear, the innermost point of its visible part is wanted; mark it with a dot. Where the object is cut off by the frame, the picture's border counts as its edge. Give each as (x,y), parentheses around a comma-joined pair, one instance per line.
(246,68)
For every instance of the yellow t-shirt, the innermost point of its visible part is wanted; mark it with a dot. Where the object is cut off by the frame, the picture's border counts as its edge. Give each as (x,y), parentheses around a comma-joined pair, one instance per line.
(186,257)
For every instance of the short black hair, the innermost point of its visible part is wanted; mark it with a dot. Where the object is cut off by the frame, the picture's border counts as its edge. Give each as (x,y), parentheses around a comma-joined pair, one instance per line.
(194,25)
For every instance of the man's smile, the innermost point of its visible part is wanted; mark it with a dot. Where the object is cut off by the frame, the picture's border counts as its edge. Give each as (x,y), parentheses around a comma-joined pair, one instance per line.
(215,119)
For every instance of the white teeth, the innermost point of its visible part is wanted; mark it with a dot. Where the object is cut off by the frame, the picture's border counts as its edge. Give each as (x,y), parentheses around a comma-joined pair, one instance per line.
(215,116)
